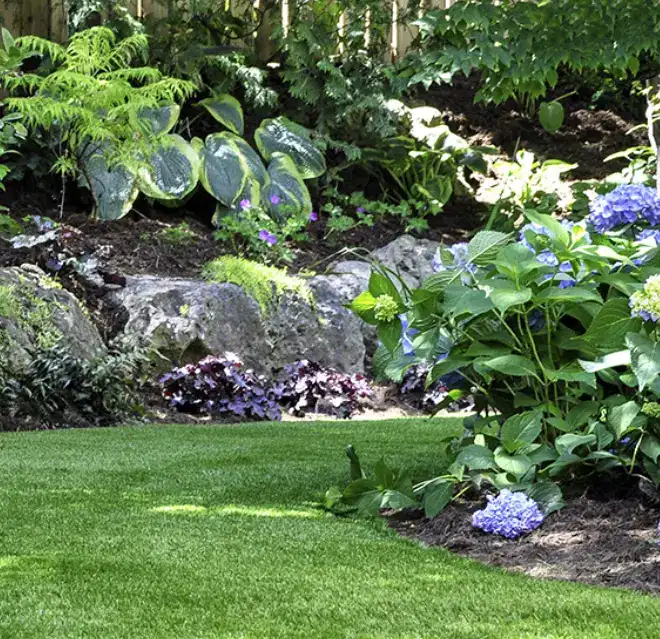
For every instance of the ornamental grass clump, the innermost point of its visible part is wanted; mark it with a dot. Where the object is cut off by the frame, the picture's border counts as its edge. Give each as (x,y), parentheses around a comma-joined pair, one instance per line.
(509,515)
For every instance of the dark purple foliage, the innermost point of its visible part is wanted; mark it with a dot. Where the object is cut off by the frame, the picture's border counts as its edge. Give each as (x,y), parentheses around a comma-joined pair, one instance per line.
(309,387)
(220,386)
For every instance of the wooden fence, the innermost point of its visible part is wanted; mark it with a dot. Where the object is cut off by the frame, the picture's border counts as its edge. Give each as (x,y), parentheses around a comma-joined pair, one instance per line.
(49,18)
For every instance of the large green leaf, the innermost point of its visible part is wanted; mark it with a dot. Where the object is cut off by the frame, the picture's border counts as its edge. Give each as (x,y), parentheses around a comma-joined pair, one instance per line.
(505,295)
(476,457)
(514,365)
(613,322)
(227,110)
(621,417)
(436,497)
(462,300)
(569,442)
(612,360)
(280,135)
(173,171)
(521,430)
(231,170)
(485,245)
(644,359)
(517,465)
(547,495)
(160,120)
(114,188)
(575,294)
(286,192)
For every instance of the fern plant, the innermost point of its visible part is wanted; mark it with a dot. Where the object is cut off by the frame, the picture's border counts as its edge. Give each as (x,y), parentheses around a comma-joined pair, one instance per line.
(104,117)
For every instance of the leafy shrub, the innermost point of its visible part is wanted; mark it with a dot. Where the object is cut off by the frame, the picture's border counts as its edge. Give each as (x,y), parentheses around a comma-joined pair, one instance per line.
(220,385)
(61,389)
(542,332)
(93,75)
(429,398)
(540,37)
(309,387)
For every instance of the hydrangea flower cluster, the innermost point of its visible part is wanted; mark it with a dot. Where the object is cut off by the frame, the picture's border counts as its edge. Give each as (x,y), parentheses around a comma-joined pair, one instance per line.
(646,303)
(532,236)
(459,253)
(386,308)
(510,514)
(220,386)
(626,204)
(307,386)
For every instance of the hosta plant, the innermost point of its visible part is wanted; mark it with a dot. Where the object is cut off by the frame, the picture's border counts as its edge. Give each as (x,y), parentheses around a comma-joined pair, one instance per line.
(553,330)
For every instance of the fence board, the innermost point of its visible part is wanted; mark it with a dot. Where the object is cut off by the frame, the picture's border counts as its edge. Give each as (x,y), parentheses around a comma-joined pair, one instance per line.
(48,18)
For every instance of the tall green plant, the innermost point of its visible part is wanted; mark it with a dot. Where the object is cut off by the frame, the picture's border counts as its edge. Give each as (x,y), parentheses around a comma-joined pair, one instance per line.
(103,116)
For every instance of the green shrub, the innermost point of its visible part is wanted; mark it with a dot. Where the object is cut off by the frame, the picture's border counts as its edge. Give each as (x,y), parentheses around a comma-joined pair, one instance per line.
(542,335)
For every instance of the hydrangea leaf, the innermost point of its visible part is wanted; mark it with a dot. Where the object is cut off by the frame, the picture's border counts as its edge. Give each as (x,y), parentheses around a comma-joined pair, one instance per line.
(644,359)
(514,365)
(227,110)
(621,417)
(517,465)
(280,135)
(462,300)
(436,497)
(547,495)
(520,430)
(569,442)
(485,245)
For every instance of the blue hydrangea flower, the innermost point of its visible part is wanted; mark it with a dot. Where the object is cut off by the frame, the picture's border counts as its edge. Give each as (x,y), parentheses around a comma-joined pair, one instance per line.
(509,515)
(624,205)
(407,335)
(459,253)
(649,234)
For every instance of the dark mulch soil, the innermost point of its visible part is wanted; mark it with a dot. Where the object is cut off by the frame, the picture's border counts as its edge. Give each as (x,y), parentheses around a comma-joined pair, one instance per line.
(587,136)
(612,542)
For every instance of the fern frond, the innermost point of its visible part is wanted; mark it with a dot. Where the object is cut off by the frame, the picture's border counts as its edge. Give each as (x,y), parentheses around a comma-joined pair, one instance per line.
(41,46)
(127,50)
(28,82)
(139,74)
(168,90)
(89,51)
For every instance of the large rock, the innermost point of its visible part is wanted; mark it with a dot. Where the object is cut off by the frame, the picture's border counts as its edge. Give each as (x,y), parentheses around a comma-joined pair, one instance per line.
(35,312)
(187,319)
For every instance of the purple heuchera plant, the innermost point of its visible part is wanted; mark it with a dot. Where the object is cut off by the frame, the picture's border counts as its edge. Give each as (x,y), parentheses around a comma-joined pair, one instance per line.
(220,385)
(309,387)
(624,205)
(510,514)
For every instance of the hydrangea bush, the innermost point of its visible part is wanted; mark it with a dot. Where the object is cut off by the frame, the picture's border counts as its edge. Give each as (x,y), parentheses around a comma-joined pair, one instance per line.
(553,332)
(509,514)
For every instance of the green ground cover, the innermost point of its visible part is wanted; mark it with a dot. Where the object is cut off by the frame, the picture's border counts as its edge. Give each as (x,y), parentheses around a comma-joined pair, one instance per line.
(212,532)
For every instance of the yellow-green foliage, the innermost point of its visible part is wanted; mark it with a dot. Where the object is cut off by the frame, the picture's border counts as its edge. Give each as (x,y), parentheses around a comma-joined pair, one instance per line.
(264,283)
(32,313)
(93,75)
(9,304)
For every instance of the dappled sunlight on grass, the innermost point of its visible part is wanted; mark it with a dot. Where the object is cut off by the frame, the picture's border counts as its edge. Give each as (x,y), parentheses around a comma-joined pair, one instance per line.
(232,509)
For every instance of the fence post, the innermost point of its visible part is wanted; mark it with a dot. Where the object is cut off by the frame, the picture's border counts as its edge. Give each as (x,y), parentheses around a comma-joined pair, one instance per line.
(59,20)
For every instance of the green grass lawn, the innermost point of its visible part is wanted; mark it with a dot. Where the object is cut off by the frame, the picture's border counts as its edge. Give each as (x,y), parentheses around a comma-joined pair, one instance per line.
(209,532)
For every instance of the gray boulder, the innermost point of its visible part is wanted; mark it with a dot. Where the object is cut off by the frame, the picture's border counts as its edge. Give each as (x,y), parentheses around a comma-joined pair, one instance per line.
(188,319)
(36,312)
(410,257)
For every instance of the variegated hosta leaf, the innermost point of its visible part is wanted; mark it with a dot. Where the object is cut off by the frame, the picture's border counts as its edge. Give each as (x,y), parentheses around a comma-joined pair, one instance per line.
(172,172)
(162,119)
(114,188)
(283,136)
(231,170)
(286,188)
(226,110)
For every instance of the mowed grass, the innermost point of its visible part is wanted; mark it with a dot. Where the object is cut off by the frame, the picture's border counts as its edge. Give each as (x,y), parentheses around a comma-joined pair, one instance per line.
(212,532)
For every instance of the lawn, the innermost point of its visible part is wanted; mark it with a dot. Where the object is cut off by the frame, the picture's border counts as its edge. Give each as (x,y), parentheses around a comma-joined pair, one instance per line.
(200,532)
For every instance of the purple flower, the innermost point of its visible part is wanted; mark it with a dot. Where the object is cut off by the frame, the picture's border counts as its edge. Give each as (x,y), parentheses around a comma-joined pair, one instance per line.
(624,205)
(269,238)
(313,216)
(274,199)
(460,261)
(54,265)
(360,209)
(509,515)
(407,335)
(245,204)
